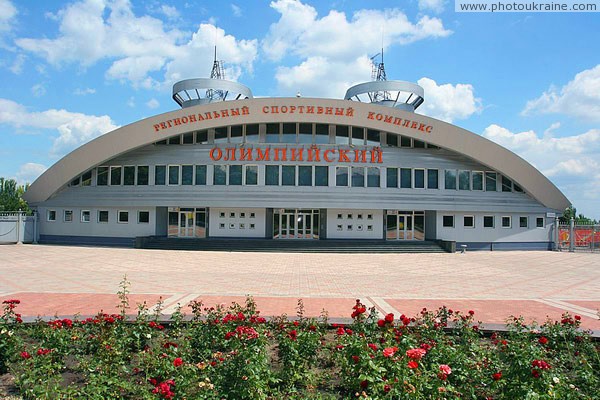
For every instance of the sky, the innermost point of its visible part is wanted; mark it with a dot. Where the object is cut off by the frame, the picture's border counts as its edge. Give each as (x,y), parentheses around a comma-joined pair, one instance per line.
(73,70)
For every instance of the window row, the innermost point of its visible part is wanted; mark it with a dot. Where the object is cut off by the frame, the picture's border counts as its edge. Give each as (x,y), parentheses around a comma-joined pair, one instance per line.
(102,216)
(296,133)
(489,221)
(417,178)
(478,180)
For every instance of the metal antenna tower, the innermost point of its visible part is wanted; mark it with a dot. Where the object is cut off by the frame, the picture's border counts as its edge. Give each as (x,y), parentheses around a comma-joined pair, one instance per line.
(378,74)
(218,72)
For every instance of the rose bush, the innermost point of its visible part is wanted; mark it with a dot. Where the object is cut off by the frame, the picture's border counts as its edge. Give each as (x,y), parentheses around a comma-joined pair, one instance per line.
(234,353)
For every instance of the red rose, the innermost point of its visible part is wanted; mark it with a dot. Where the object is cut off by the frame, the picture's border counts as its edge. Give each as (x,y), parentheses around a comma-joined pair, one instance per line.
(389,318)
(25,355)
(445,369)
(356,359)
(497,376)
(413,364)
(389,351)
(415,354)
(543,340)
(178,362)
(381,323)
(387,388)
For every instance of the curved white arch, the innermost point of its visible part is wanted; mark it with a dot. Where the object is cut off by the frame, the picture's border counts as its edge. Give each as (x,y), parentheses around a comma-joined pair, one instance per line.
(264,110)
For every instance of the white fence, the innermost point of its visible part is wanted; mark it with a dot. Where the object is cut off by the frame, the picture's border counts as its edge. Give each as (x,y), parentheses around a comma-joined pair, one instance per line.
(17,227)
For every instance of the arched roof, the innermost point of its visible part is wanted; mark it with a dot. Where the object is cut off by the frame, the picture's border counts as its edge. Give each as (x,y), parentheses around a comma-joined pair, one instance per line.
(327,111)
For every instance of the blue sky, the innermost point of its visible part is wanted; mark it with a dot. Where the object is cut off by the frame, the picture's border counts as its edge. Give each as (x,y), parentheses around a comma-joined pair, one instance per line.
(73,70)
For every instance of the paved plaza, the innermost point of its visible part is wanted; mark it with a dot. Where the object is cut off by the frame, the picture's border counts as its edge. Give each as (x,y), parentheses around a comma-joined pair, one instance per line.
(66,280)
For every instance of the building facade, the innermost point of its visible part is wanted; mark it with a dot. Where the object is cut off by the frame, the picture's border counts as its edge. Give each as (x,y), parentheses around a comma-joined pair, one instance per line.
(296,168)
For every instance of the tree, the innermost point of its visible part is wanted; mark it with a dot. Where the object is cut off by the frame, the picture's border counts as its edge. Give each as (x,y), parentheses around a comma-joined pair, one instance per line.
(11,196)
(571,212)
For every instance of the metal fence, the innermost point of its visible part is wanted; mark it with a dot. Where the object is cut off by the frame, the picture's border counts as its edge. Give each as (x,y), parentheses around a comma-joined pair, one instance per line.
(574,237)
(17,227)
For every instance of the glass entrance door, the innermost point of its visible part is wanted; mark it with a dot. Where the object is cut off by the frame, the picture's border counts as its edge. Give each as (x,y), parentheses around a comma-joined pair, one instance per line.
(186,224)
(296,224)
(401,226)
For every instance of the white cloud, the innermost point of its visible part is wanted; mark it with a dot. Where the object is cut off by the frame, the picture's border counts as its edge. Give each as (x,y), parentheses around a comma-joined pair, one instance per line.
(139,47)
(83,92)
(448,102)
(579,98)
(152,104)
(572,162)
(334,48)
(236,10)
(300,32)
(73,129)
(7,14)
(38,90)
(169,11)
(29,172)
(17,66)
(433,5)
(316,77)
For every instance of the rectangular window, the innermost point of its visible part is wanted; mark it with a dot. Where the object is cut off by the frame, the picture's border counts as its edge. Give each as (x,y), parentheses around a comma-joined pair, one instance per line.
(143,217)
(103,216)
(539,222)
(420,178)
(220,175)
(102,176)
(392,177)
(173,174)
(68,216)
(289,133)
(523,222)
(288,175)
(464,180)
(341,176)
(405,141)
(115,175)
(175,140)
(252,133)
(272,175)
(187,174)
(221,135)
(405,178)
(123,217)
(341,134)
(85,216)
(506,222)
(488,221)
(358,177)
(236,134)
(51,215)
(358,136)
(392,140)
(506,184)
(490,182)
(188,138)
(373,138)
(304,176)
(373,179)
(448,221)
(450,179)
(477,180)
(272,133)
(200,174)
(417,144)
(235,175)
(432,179)
(321,176)
(160,173)
(129,175)
(201,137)
(305,133)
(321,134)
(142,175)
(469,221)
(86,179)
(251,175)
